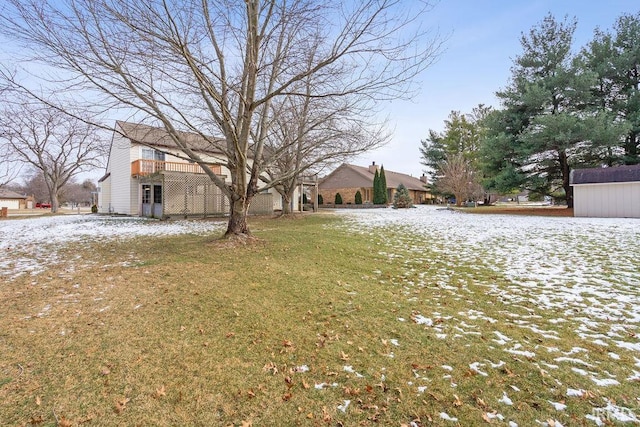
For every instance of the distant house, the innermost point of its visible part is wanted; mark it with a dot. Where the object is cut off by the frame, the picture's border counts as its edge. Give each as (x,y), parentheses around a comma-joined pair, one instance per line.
(146,175)
(348,179)
(607,192)
(12,200)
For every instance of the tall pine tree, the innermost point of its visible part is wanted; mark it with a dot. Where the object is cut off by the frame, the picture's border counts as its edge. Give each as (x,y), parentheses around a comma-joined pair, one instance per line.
(544,115)
(383,187)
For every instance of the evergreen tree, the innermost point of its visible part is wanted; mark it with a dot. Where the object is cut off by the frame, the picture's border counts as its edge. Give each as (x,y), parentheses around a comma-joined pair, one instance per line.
(377,197)
(544,125)
(463,134)
(615,59)
(402,199)
(383,187)
(358,198)
(338,199)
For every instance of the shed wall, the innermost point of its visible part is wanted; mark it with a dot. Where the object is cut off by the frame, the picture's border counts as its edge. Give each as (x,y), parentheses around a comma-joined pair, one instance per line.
(609,200)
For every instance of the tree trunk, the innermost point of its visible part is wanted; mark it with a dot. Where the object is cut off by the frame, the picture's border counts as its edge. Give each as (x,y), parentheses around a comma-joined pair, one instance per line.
(286,204)
(631,149)
(55,203)
(566,171)
(237,225)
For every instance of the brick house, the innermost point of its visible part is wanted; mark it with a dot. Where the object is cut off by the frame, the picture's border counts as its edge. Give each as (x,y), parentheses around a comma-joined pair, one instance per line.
(11,200)
(348,179)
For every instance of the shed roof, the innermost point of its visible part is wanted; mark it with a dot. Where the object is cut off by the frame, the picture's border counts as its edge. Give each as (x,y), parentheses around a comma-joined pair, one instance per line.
(629,173)
(6,194)
(352,176)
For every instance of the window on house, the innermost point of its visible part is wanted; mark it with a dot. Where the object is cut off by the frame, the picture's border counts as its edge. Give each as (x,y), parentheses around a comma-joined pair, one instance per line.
(151,154)
(157,194)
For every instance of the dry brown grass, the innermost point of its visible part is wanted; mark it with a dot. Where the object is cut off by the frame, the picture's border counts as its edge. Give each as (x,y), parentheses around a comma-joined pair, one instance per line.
(190,331)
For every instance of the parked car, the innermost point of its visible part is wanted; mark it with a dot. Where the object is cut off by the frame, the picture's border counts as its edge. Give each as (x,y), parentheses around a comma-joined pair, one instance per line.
(43,205)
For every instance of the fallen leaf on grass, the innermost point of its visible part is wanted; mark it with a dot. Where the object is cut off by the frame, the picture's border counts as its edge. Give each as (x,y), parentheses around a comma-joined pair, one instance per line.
(305,384)
(287,396)
(160,392)
(436,398)
(182,328)
(326,417)
(481,403)
(486,417)
(38,401)
(270,367)
(344,356)
(36,420)
(64,422)
(457,402)
(121,404)
(230,334)
(105,371)
(247,423)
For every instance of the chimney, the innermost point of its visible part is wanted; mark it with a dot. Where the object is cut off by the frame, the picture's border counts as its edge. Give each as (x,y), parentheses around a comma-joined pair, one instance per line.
(373,168)
(423,178)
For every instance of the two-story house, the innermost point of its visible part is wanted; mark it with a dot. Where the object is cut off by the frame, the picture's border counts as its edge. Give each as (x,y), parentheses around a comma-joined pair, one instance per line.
(147,176)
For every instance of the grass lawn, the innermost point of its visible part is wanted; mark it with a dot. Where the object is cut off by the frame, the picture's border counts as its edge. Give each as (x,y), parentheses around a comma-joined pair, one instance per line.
(320,322)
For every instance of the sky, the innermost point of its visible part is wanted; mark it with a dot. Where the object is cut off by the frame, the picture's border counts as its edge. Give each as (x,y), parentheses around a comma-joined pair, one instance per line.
(482,40)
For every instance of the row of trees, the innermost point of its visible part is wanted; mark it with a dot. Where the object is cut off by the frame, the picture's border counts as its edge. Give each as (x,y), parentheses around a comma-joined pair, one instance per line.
(561,110)
(379,187)
(53,147)
(74,192)
(278,87)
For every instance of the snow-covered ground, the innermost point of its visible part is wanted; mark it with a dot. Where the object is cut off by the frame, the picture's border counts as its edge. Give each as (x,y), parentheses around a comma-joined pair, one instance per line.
(28,246)
(581,274)
(557,274)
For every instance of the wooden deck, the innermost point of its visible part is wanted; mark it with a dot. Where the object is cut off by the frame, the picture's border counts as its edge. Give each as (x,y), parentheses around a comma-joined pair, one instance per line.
(149,167)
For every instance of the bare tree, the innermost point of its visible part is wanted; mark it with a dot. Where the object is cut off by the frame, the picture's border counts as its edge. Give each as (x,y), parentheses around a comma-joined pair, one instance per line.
(457,176)
(309,134)
(215,67)
(51,142)
(9,168)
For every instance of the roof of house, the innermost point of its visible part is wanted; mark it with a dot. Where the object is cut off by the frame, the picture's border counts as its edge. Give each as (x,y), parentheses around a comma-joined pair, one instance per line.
(9,194)
(627,173)
(159,137)
(352,176)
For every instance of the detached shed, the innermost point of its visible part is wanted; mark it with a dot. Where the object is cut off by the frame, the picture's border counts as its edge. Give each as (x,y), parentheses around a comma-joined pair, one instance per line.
(607,192)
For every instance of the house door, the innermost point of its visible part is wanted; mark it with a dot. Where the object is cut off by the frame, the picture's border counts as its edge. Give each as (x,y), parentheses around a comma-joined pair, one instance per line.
(157,201)
(146,200)
(152,200)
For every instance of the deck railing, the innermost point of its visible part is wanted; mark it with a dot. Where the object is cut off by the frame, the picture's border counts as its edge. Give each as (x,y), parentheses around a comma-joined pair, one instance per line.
(145,167)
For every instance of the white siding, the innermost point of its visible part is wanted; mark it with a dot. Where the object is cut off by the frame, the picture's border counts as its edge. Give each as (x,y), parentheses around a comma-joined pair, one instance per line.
(10,203)
(120,158)
(104,196)
(616,199)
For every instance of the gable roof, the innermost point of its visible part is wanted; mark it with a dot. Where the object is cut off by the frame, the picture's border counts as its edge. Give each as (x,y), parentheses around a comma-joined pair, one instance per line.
(158,137)
(629,173)
(352,176)
(9,194)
